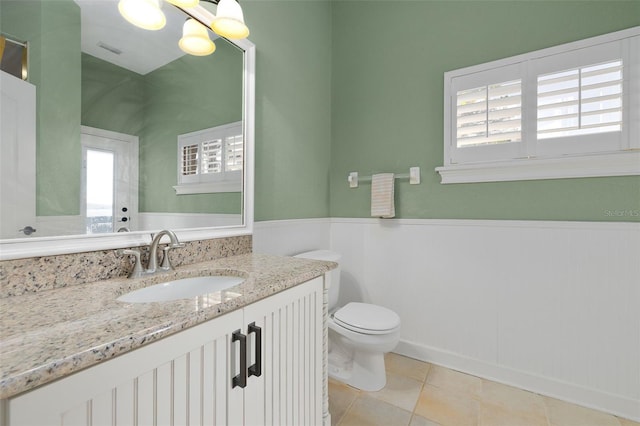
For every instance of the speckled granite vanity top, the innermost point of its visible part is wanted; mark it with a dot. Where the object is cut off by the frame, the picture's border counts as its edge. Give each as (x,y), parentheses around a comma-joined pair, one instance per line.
(50,334)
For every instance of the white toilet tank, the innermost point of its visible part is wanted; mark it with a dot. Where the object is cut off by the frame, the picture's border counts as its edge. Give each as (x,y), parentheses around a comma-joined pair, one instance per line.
(333,275)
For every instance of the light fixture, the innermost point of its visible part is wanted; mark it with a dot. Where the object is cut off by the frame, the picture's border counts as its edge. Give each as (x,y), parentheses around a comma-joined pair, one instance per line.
(145,14)
(184,3)
(195,39)
(229,20)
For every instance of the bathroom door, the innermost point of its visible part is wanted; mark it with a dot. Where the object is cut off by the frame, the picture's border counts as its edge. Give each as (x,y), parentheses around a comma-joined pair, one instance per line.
(109,181)
(17,157)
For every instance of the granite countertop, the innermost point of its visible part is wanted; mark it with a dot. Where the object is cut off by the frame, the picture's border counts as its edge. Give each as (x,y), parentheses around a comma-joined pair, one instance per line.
(50,334)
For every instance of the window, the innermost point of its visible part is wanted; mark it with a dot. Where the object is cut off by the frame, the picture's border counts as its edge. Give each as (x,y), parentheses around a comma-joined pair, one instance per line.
(580,101)
(567,111)
(211,160)
(99,168)
(489,114)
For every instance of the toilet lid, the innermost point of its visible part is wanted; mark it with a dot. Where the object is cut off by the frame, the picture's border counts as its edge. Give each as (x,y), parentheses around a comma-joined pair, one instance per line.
(367,318)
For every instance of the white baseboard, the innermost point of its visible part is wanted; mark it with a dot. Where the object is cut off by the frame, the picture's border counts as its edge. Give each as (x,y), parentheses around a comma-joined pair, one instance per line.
(592,398)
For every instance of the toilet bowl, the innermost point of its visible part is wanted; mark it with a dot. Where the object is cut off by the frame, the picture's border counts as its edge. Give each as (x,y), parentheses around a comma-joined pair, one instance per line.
(359,334)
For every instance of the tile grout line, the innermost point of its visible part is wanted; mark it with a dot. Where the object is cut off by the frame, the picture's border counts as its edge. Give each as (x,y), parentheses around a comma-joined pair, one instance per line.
(546,409)
(424,383)
(358,393)
(415,406)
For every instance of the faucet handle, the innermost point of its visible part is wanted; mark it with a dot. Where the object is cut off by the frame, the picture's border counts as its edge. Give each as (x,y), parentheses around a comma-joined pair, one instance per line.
(166,263)
(137,267)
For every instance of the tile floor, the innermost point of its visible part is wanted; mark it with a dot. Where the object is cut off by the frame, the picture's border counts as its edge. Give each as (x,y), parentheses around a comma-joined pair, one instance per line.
(421,394)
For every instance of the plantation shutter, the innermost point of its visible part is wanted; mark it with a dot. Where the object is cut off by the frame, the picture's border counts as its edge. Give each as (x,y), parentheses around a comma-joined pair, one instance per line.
(189,163)
(489,114)
(234,153)
(212,156)
(580,101)
(211,160)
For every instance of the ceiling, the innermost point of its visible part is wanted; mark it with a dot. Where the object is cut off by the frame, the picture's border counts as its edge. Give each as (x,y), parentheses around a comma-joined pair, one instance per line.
(105,32)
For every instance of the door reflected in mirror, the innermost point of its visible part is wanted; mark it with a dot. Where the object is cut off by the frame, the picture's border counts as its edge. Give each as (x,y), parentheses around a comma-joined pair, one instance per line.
(109,166)
(100,81)
(99,173)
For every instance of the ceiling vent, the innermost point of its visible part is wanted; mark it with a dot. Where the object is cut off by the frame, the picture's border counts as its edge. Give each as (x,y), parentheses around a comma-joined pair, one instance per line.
(109,48)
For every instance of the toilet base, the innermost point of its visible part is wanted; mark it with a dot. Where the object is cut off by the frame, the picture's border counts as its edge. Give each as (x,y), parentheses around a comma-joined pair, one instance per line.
(340,363)
(368,372)
(364,371)
(358,359)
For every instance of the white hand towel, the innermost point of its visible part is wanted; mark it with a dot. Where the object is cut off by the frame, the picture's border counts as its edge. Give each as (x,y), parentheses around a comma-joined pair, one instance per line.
(382,204)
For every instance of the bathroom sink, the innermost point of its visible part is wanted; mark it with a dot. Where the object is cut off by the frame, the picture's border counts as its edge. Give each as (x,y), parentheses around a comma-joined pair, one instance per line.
(184,288)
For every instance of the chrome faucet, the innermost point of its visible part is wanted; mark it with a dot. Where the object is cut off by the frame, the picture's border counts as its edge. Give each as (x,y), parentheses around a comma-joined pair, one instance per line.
(152,266)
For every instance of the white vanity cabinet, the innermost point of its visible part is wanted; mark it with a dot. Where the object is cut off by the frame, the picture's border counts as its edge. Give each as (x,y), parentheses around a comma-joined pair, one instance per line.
(194,377)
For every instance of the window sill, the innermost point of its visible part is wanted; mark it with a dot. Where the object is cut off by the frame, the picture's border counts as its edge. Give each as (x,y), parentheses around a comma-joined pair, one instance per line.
(617,164)
(208,188)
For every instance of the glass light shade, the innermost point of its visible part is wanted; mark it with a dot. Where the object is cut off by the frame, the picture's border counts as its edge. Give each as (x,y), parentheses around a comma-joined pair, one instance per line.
(195,39)
(184,3)
(229,20)
(145,14)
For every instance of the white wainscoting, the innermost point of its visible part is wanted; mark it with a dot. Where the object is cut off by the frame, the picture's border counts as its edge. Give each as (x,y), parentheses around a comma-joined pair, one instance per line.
(47,226)
(290,237)
(159,220)
(553,307)
(53,226)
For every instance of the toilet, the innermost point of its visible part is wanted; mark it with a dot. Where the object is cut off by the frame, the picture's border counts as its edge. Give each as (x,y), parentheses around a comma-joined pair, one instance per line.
(359,334)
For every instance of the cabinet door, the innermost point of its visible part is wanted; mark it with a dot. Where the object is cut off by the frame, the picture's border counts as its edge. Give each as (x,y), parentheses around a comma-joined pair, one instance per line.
(184,379)
(289,389)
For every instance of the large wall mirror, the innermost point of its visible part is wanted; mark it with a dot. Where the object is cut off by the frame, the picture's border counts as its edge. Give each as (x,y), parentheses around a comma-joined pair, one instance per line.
(130,135)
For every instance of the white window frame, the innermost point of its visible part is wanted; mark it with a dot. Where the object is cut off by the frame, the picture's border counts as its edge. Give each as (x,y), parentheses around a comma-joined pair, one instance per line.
(203,183)
(603,154)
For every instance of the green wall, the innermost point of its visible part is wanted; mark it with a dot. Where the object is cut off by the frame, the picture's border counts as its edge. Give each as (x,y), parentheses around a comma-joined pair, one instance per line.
(388,61)
(52,29)
(358,86)
(188,94)
(112,97)
(293,107)
(108,97)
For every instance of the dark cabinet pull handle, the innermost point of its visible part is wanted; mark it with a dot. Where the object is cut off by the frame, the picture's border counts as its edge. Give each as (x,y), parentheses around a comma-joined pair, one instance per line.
(256,369)
(240,379)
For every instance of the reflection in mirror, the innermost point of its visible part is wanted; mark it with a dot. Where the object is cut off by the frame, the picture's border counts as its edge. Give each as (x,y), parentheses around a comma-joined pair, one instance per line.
(106,89)
(13,57)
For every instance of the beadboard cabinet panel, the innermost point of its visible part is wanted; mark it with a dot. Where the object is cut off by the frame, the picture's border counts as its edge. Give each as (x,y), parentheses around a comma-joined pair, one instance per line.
(126,391)
(289,390)
(186,378)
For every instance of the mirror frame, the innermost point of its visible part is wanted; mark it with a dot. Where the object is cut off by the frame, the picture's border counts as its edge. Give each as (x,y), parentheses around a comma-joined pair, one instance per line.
(49,246)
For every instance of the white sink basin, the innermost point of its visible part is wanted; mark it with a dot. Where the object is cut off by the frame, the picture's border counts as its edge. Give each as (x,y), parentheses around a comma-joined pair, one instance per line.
(184,288)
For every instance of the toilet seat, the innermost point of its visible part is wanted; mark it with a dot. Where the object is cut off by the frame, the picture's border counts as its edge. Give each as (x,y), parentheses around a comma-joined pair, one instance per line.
(366,318)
